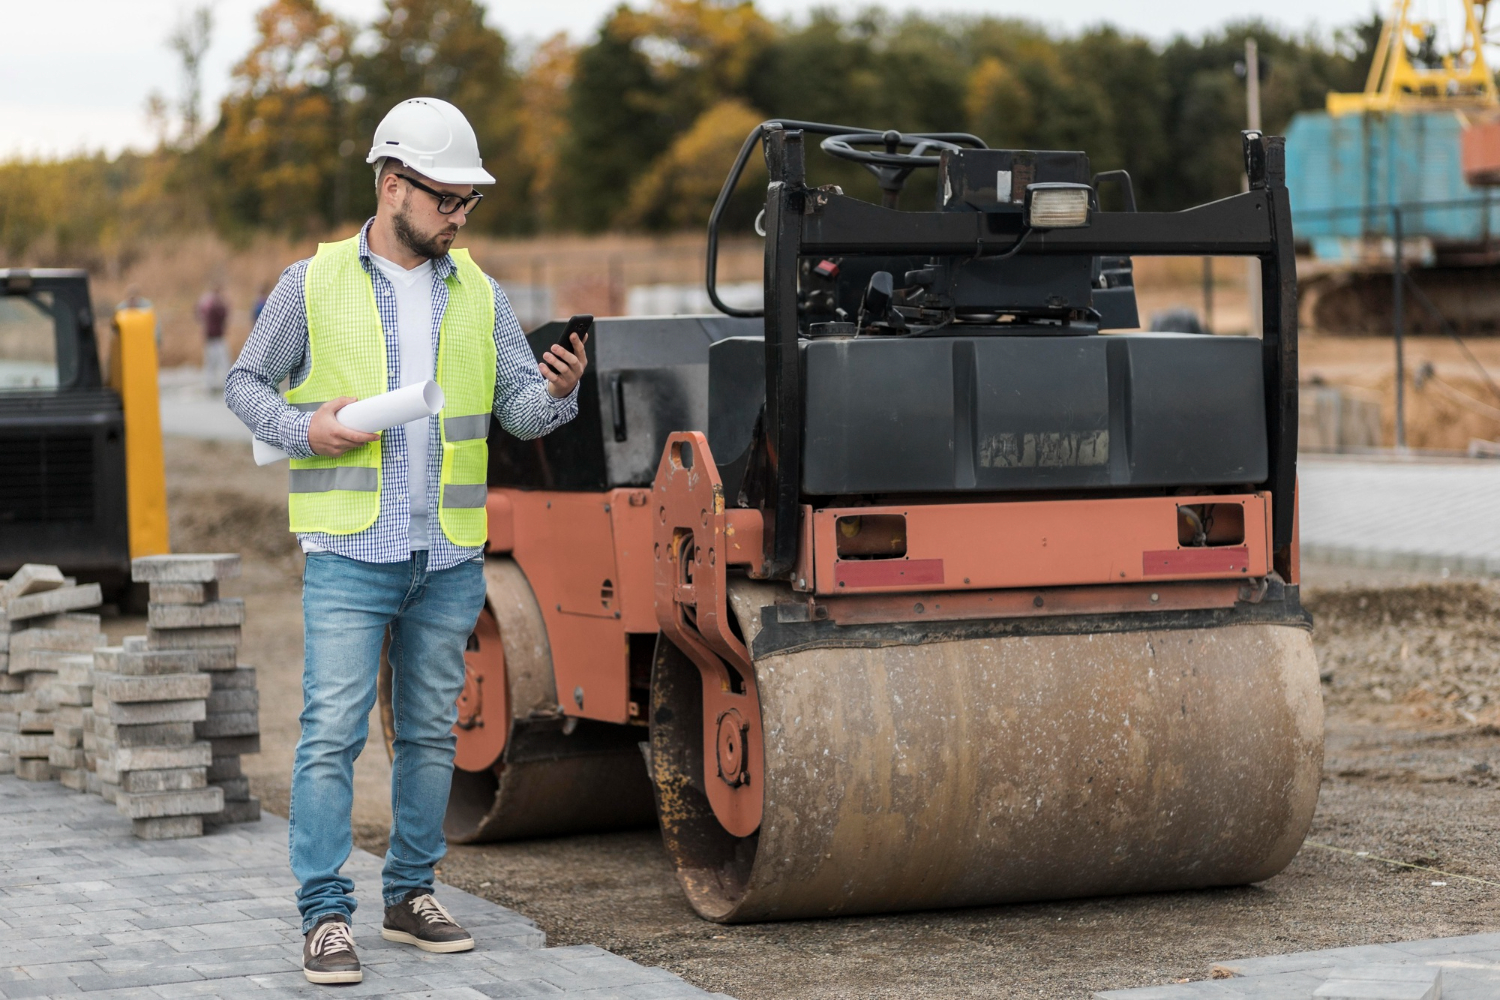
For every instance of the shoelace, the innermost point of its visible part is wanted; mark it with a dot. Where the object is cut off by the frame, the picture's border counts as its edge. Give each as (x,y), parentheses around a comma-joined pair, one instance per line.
(430,910)
(332,938)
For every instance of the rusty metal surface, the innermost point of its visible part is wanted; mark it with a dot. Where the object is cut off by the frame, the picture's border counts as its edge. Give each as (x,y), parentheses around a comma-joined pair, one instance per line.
(1039,543)
(483,722)
(690,551)
(873,609)
(1006,769)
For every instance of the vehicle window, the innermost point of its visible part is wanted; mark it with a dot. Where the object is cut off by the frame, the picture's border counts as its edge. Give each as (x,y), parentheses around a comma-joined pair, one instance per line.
(28,342)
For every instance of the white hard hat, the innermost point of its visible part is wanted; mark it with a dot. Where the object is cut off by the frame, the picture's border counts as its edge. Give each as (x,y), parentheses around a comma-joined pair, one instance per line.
(433,138)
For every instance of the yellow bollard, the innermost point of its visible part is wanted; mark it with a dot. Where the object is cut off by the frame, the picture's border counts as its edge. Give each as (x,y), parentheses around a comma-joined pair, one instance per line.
(133,373)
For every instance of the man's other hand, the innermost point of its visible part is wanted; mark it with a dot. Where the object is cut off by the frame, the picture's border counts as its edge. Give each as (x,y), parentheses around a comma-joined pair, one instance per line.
(562,369)
(330,438)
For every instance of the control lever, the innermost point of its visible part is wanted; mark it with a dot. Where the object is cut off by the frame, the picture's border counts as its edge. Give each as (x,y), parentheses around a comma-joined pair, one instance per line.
(878,295)
(876,308)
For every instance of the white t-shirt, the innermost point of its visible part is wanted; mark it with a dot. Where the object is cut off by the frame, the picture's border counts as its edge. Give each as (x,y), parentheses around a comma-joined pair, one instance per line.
(414,342)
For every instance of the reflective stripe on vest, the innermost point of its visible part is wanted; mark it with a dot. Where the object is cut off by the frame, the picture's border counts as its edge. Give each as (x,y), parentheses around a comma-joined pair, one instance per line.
(466,428)
(346,478)
(347,353)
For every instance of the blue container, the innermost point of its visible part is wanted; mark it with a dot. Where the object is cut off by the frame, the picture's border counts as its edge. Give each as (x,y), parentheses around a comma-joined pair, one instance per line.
(1344,173)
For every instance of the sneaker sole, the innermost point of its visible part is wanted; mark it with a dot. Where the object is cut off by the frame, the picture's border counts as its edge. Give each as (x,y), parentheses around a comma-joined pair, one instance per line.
(325,978)
(439,947)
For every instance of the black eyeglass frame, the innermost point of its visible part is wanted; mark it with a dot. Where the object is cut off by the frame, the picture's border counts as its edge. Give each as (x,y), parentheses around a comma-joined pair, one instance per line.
(468,202)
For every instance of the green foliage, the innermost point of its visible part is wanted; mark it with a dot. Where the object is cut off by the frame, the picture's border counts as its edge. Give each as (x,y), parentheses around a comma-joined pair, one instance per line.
(637,127)
(443,49)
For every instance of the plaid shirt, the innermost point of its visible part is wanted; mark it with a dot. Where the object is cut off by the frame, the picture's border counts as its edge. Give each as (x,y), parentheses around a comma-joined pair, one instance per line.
(277,350)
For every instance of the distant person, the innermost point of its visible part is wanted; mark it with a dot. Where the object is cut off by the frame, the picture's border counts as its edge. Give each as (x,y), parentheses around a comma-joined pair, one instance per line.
(213,313)
(259,305)
(135,300)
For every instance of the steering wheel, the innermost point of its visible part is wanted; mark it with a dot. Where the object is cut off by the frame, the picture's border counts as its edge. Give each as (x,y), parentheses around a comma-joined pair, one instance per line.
(890,166)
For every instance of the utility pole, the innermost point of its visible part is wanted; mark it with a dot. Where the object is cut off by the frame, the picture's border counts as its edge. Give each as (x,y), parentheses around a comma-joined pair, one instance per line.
(1252,116)
(1398,324)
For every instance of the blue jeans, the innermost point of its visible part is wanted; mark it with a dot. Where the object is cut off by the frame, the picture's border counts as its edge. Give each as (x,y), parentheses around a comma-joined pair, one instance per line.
(347,606)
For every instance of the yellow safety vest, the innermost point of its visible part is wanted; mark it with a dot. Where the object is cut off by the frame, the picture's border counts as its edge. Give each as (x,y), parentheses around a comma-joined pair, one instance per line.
(346,343)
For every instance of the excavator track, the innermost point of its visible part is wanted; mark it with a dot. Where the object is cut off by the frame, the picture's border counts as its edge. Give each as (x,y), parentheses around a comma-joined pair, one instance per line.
(994,770)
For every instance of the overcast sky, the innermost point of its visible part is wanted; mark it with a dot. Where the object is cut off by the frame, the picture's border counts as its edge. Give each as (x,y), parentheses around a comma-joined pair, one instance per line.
(75,74)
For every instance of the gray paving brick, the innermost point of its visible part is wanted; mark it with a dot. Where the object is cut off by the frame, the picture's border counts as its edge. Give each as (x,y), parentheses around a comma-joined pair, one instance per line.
(215,917)
(186,568)
(192,638)
(226,989)
(39,988)
(184,593)
(519,988)
(51,602)
(154,687)
(230,611)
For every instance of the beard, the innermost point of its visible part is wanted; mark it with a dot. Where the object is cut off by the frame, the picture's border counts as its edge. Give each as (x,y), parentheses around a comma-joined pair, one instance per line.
(432,247)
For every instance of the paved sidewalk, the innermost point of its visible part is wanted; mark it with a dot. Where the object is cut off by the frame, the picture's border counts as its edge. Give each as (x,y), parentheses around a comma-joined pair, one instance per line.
(1420,515)
(85,908)
(1470,971)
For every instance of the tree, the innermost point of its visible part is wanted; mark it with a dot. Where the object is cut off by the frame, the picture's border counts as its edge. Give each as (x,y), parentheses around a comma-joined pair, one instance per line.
(443,49)
(645,79)
(276,146)
(543,124)
(190,41)
(679,190)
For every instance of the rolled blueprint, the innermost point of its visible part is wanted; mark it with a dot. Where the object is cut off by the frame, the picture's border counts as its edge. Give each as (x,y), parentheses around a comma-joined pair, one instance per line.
(378,413)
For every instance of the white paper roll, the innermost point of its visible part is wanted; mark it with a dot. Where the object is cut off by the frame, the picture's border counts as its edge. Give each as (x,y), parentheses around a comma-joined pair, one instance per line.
(378,413)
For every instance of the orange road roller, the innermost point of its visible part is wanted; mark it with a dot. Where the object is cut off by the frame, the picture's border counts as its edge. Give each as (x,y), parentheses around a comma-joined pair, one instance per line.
(920,586)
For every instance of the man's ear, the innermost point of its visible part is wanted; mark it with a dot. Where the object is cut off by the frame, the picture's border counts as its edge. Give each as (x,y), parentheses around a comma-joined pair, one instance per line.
(388,182)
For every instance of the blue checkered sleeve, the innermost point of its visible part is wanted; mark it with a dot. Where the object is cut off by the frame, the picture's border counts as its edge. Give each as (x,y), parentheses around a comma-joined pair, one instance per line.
(276,351)
(523,405)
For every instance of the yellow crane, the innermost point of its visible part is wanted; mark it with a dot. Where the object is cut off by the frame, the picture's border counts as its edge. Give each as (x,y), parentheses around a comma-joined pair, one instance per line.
(1397,83)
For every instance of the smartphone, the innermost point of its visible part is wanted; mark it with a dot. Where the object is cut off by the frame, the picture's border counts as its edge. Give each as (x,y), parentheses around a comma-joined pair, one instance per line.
(580,324)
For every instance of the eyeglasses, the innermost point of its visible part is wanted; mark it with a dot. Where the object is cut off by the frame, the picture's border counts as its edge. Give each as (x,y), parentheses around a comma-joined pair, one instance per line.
(447,203)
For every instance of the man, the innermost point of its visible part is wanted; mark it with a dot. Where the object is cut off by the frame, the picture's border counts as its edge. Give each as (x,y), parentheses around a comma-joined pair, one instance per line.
(213,313)
(392,524)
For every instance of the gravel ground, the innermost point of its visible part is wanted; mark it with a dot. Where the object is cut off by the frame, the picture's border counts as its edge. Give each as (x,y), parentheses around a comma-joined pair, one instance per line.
(1412,775)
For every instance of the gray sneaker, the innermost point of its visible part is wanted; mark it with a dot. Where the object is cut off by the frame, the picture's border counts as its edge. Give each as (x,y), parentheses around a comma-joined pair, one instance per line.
(421,920)
(328,952)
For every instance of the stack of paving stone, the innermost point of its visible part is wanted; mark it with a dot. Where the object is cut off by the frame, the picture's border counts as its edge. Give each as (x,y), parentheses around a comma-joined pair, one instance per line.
(149,763)
(187,613)
(42,630)
(73,691)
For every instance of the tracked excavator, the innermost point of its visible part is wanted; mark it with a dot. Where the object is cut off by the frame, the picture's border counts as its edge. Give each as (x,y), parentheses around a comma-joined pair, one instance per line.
(917,587)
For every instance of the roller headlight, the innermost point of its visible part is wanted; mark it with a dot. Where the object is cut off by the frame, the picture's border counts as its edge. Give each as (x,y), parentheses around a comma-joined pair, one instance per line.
(1058,205)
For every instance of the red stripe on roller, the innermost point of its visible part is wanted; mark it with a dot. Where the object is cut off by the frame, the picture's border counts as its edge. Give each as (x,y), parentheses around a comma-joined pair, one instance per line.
(1170,562)
(887,573)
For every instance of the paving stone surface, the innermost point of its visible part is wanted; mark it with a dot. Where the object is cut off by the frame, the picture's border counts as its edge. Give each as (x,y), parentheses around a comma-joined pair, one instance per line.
(88,909)
(1420,515)
(1470,967)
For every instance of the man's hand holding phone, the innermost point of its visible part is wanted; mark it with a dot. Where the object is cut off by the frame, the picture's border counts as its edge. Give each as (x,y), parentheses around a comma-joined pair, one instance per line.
(563,364)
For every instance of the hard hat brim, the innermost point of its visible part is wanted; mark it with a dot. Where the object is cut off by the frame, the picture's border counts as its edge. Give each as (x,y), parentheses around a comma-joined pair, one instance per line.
(443,175)
(458,175)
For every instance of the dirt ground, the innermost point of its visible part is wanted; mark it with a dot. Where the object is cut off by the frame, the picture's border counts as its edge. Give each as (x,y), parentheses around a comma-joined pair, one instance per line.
(1410,669)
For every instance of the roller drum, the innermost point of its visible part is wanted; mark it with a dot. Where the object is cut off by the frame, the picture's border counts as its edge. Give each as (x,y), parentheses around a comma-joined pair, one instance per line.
(998,770)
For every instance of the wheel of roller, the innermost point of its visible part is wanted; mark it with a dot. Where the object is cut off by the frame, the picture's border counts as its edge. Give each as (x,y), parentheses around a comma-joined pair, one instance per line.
(983,771)
(544,782)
